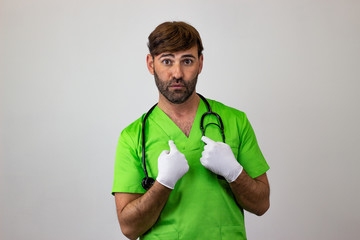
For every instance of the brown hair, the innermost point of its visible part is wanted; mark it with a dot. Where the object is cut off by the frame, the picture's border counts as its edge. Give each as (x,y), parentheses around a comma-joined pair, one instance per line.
(173,37)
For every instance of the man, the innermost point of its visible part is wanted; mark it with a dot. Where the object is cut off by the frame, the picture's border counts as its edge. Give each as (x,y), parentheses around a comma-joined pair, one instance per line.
(202,184)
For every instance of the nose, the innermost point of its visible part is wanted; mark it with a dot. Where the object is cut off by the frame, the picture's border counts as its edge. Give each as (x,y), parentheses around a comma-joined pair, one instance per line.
(177,71)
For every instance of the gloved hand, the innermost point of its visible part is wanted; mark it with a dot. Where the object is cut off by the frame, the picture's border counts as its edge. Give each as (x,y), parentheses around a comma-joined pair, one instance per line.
(172,165)
(219,158)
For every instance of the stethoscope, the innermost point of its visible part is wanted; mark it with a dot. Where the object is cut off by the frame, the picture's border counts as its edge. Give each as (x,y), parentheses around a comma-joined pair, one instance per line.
(147,181)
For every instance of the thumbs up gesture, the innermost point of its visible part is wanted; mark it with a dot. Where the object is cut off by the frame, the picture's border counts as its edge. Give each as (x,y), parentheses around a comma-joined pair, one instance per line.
(218,158)
(172,165)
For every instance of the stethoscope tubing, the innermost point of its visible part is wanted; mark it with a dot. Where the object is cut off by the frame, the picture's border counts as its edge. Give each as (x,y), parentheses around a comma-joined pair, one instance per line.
(147,182)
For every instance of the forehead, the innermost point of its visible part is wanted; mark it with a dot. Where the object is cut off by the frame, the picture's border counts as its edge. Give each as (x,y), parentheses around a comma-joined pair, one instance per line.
(188,52)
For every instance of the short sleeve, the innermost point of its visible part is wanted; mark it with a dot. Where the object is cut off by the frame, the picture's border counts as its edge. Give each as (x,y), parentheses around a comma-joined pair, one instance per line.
(250,155)
(128,172)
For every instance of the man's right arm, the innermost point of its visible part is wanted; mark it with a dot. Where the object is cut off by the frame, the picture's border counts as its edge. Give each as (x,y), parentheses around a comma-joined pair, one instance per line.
(137,213)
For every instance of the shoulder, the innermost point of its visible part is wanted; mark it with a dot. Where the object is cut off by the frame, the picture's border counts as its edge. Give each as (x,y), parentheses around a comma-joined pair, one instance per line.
(133,131)
(226,110)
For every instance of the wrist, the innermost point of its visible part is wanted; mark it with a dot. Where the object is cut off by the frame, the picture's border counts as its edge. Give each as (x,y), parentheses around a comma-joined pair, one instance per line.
(166,183)
(235,173)
(161,187)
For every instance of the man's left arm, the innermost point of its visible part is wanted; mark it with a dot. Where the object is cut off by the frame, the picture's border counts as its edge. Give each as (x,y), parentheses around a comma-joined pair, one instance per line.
(252,194)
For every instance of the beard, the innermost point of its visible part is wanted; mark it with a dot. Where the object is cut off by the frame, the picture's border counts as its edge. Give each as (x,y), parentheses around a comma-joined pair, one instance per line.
(176,96)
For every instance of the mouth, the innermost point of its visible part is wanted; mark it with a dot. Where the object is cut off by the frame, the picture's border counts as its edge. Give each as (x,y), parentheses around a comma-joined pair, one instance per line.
(177,86)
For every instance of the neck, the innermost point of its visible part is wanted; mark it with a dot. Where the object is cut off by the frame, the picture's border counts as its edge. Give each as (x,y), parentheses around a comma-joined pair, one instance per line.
(189,107)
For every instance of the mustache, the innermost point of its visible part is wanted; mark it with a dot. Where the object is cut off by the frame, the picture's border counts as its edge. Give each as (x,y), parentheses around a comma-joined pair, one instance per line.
(177,81)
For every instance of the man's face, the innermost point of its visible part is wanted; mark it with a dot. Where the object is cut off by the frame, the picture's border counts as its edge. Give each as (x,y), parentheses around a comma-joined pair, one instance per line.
(176,73)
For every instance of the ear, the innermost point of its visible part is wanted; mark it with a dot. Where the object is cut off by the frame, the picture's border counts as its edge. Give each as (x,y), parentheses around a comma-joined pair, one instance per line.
(150,63)
(201,59)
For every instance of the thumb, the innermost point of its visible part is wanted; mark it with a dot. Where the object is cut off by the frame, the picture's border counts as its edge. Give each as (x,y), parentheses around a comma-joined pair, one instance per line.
(207,140)
(172,146)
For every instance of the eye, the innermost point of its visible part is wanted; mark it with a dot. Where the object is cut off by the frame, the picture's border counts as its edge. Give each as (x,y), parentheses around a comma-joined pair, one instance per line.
(166,61)
(188,61)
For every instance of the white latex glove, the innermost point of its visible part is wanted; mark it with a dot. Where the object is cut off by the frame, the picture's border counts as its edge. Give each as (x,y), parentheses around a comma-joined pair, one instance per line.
(219,158)
(172,165)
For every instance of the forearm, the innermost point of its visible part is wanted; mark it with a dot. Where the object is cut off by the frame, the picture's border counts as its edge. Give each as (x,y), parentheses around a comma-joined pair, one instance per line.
(252,194)
(141,214)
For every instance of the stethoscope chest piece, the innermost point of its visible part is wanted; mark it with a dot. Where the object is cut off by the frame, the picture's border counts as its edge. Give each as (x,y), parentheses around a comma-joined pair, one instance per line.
(147,182)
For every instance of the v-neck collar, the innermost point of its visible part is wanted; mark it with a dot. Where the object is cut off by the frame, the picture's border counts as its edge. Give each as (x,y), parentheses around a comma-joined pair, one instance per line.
(174,132)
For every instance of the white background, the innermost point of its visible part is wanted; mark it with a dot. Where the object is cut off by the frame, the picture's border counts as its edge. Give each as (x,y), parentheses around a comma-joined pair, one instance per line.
(73,75)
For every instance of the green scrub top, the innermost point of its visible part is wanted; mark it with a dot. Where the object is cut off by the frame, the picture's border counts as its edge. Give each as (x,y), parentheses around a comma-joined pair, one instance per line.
(201,206)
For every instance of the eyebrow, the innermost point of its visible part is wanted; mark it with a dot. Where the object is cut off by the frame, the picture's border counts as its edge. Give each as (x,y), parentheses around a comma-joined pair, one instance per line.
(188,56)
(172,55)
(167,55)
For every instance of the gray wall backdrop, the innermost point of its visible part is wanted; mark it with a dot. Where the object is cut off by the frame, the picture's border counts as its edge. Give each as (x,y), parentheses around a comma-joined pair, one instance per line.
(73,75)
